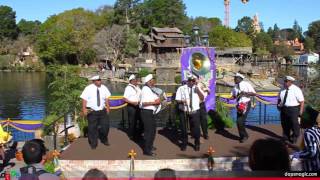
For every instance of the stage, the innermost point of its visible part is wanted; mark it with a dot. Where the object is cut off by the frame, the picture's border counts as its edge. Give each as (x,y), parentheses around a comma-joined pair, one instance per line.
(230,154)
(225,144)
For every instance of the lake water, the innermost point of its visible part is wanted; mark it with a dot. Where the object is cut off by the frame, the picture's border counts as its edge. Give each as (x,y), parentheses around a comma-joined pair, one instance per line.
(22,95)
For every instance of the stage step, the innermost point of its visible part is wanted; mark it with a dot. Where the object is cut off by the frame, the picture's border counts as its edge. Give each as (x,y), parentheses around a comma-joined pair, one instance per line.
(147,168)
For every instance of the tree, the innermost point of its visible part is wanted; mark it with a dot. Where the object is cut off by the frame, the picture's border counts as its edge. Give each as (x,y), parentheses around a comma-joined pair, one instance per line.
(68,37)
(276,32)
(8,27)
(65,89)
(282,50)
(270,32)
(314,33)
(206,24)
(29,27)
(163,13)
(245,25)
(309,44)
(127,12)
(223,37)
(110,42)
(105,16)
(131,48)
(297,30)
(262,42)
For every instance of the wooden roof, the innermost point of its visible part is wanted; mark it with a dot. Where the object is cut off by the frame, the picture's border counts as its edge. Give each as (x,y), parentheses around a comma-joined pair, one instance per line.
(167,30)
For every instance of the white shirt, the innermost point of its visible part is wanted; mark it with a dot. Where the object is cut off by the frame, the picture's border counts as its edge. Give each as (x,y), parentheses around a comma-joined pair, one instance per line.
(243,86)
(183,94)
(148,96)
(90,95)
(132,93)
(294,97)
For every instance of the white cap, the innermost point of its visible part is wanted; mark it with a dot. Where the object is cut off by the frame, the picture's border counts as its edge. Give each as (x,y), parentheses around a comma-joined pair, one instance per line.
(148,78)
(93,78)
(239,75)
(290,78)
(132,76)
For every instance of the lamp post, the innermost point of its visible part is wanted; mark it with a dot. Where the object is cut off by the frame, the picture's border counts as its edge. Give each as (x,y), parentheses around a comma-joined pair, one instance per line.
(197,39)
(205,39)
(195,31)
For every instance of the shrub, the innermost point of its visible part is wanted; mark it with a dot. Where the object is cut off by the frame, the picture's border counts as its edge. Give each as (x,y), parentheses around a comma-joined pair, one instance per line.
(143,72)
(177,79)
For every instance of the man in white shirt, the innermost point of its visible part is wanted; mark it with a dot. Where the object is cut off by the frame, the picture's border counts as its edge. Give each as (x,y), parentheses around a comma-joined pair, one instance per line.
(291,105)
(95,105)
(188,97)
(242,92)
(132,98)
(148,104)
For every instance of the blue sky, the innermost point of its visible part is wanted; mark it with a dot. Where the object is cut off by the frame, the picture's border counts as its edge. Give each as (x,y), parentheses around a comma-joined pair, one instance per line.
(282,12)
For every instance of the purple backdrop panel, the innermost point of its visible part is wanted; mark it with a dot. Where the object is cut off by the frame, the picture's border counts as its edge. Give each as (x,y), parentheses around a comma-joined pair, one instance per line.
(208,55)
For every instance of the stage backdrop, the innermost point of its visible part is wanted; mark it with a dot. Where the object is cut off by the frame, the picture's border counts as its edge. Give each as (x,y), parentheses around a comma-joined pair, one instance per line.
(201,61)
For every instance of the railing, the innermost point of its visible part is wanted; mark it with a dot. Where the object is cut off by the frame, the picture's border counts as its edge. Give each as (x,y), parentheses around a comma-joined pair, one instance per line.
(65,129)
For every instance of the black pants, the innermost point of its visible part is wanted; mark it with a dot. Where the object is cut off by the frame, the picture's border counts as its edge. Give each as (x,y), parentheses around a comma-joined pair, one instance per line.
(194,121)
(98,126)
(135,124)
(149,122)
(289,121)
(241,119)
(203,119)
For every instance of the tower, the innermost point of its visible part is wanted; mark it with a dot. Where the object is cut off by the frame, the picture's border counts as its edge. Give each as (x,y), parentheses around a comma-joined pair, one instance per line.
(226,12)
(256,24)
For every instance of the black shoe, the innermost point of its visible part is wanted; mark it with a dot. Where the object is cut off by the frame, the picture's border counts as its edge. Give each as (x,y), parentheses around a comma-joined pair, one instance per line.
(106,143)
(206,137)
(244,139)
(93,148)
(149,154)
(197,148)
(183,148)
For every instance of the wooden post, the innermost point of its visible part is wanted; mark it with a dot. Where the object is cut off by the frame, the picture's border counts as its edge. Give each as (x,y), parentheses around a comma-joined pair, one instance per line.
(54,136)
(65,130)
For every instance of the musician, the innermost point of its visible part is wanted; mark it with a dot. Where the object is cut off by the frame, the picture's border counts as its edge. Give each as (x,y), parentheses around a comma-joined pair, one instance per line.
(188,97)
(242,92)
(203,111)
(148,103)
(291,105)
(132,98)
(95,105)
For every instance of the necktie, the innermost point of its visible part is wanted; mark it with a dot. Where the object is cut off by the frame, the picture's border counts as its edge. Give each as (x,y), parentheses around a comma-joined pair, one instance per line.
(285,97)
(190,98)
(98,97)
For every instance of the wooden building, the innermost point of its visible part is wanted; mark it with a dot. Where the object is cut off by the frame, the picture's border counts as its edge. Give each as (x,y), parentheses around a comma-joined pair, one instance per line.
(162,45)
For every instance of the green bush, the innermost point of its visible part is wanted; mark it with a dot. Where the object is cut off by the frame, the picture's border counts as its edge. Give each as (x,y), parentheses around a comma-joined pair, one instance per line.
(177,79)
(49,167)
(83,125)
(143,72)
(5,61)
(220,118)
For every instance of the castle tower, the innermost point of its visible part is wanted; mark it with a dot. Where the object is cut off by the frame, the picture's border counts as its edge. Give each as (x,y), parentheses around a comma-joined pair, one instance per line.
(256,24)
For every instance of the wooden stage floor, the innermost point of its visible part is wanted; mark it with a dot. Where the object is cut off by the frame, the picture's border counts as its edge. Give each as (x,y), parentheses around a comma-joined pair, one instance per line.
(225,144)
